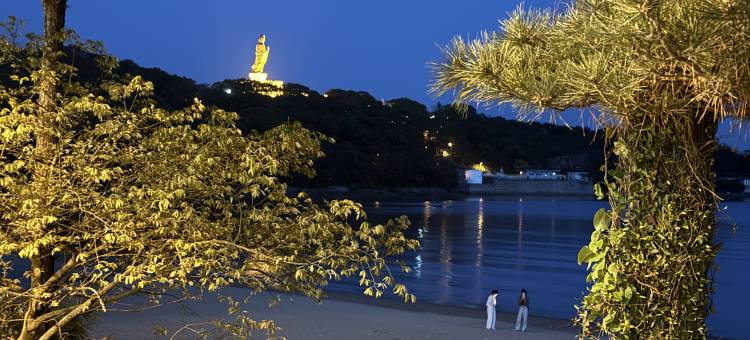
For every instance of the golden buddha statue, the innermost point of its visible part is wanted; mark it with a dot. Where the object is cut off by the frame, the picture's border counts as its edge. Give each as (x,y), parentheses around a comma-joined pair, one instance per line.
(261,55)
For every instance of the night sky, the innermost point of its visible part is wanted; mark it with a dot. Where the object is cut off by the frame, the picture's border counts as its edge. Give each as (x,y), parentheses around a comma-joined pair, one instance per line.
(382,47)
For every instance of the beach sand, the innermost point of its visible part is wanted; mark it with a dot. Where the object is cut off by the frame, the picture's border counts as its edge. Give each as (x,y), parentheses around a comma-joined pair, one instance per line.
(339,317)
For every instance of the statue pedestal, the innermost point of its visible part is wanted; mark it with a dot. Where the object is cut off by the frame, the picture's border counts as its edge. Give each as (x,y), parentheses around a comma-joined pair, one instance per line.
(261,77)
(262,85)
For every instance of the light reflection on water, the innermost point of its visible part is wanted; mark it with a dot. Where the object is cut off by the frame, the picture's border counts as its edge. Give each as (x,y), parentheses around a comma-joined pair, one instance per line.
(480,230)
(472,246)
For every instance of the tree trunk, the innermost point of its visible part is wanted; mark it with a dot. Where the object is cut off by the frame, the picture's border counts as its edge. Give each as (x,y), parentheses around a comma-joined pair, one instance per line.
(54,24)
(42,265)
(665,210)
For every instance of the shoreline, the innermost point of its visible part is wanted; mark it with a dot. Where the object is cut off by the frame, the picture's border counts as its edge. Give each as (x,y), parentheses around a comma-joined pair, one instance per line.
(416,194)
(477,312)
(340,316)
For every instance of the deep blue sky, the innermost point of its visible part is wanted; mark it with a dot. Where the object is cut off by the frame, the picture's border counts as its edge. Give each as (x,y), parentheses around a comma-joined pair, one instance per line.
(378,46)
(381,47)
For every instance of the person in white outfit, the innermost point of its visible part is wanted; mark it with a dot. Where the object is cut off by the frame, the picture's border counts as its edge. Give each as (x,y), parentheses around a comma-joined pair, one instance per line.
(523,311)
(491,303)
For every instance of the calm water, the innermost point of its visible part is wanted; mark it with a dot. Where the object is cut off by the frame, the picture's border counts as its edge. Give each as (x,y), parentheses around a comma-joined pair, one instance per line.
(472,246)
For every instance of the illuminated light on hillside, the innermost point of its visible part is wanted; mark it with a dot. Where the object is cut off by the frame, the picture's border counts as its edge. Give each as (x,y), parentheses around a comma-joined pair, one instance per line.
(228,91)
(446,154)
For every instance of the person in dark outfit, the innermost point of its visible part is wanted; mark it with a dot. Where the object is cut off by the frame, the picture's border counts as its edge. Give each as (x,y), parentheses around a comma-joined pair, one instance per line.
(523,311)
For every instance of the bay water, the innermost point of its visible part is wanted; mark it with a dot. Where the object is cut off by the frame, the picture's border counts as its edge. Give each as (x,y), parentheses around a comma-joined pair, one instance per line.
(477,244)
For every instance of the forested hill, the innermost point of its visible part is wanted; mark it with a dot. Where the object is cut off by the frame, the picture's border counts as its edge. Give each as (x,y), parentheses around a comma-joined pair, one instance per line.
(398,142)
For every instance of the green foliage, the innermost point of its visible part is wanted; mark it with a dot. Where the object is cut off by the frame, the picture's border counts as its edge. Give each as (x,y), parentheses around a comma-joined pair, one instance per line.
(650,255)
(132,199)
(658,75)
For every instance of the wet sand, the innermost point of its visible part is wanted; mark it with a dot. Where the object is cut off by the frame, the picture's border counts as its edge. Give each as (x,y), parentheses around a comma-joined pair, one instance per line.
(339,317)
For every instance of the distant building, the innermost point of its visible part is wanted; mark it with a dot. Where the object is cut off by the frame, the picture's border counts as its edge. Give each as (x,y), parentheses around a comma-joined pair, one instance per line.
(542,174)
(473,176)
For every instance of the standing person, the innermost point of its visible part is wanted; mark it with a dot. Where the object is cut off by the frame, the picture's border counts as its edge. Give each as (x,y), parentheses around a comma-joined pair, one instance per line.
(491,303)
(523,311)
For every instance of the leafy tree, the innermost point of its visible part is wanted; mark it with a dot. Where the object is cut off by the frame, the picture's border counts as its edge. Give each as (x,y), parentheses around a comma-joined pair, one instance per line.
(658,75)
(104,196)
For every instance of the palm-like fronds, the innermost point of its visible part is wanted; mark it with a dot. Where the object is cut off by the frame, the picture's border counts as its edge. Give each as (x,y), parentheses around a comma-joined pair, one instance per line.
(618,56)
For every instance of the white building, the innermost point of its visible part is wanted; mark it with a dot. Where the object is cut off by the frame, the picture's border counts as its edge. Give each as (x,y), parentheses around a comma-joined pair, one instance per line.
(473,176)
(542,174)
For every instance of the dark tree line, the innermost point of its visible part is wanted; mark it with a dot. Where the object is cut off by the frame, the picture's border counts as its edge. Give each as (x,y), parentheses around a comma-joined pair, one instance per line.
(399,142)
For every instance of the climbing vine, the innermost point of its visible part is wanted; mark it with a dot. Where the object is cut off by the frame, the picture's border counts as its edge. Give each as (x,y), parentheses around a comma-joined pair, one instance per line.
(650,254)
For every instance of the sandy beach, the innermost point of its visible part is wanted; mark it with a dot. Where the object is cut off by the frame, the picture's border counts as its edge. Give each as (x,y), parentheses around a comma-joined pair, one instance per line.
(339,317)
